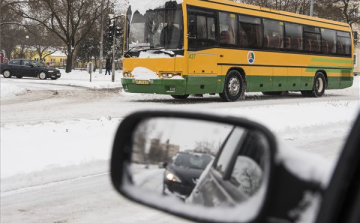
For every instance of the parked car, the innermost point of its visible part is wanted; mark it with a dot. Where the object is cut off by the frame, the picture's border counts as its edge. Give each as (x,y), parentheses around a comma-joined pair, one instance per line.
(27,68)
(183,172)
(252,179)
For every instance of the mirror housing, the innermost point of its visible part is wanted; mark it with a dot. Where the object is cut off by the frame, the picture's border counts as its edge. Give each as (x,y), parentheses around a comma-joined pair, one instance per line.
(121,174)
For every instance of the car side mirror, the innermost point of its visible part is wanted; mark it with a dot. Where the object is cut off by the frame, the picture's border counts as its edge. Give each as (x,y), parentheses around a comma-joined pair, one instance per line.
(220,166)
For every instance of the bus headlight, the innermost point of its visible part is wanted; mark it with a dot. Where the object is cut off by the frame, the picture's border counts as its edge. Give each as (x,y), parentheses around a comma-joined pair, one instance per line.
(170,75)
(127,74)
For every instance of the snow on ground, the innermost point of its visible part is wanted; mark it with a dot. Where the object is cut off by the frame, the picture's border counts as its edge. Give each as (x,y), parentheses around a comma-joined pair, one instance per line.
(71,144)
(77,78)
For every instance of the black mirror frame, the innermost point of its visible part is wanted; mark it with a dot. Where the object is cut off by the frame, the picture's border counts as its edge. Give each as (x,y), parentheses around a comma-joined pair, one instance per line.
(122,150)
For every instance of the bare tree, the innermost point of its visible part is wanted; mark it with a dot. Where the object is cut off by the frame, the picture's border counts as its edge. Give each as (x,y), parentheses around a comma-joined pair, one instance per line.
(10,33)
(338,10)
(69,20)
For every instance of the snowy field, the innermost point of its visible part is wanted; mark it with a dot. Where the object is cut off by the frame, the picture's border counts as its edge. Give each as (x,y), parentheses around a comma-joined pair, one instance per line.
(35,154)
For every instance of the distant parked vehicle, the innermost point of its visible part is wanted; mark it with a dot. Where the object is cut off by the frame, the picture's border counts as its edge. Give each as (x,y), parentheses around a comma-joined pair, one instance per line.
(27,68)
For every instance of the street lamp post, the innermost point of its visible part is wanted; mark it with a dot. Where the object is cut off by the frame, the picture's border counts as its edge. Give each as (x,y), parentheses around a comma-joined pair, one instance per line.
(101,37)
(113,57)
(312,8)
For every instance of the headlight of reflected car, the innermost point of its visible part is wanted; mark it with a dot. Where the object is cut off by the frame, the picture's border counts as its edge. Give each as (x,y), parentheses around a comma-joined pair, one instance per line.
(171,177)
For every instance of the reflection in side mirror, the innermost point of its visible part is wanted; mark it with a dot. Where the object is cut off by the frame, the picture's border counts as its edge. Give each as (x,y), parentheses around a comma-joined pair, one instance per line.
(193,168)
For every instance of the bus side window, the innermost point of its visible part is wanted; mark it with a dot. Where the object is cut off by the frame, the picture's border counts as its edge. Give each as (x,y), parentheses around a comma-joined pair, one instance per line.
(293,36)
(328,44)
(274,34)
(343,43)
(228,28)
(192,26)
(201,29)
(312,39)
(250,32)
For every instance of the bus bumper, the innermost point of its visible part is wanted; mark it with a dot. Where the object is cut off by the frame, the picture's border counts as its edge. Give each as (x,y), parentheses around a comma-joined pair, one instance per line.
(155,86)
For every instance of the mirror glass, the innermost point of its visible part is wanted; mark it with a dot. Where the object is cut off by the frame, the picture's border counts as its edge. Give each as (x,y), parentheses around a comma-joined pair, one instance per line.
(199,165)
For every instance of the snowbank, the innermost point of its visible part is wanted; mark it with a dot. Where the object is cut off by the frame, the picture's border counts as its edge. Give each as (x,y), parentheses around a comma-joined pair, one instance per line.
(52,145)
(11,90)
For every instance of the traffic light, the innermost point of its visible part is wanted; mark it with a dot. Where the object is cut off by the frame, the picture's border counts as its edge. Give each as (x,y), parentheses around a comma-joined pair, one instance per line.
(111,31)
(118,31)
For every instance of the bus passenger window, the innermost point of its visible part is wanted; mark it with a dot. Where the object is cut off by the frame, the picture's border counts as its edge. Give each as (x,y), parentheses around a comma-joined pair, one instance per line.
(328,43)
(343,43)
(228,28)
(250,32)
(273,34)
(312,39)
(293,36)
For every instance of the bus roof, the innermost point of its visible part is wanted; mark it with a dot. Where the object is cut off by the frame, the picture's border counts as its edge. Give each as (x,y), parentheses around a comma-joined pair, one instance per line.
(261,10)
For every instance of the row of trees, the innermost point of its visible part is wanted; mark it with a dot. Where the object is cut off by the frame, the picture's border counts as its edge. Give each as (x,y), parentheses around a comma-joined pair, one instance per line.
(72,26)
(338,10)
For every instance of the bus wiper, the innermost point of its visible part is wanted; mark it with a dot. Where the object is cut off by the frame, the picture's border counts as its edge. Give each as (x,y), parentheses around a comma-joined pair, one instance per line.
(162,49)
(157,49)
(126,54)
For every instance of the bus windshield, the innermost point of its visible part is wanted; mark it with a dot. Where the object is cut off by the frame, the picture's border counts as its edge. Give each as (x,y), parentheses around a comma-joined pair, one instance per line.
(161,28)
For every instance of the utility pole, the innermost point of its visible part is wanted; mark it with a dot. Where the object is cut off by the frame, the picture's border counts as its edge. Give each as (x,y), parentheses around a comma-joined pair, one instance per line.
(101,37)
(312,8)
(113,51)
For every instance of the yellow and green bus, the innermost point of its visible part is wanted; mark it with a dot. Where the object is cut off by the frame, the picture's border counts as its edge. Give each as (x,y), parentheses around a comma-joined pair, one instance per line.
(220,47)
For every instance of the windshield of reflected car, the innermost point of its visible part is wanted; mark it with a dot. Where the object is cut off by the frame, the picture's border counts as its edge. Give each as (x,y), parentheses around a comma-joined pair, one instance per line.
(193,161)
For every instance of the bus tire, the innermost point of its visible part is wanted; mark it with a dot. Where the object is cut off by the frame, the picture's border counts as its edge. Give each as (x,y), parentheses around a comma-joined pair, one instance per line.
(234,87)
(319,85)
(272,93)
(180,97)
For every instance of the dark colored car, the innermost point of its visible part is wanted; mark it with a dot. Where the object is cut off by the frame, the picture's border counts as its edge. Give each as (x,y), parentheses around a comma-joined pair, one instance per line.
(183,172)
(27,68)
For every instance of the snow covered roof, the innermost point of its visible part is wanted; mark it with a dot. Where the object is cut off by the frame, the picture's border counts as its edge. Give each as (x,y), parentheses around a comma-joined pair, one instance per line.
(58,54)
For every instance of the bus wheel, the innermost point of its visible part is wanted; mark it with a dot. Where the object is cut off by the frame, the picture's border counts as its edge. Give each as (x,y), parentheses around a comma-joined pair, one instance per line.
(182,97)
(234,87)
(319,85)
(272,93)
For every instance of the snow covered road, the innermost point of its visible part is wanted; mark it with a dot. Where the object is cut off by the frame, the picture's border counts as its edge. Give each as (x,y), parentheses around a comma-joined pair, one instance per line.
(56,140)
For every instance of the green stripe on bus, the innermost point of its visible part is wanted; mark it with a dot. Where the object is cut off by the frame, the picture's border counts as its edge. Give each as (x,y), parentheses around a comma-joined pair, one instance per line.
(330,66)
(331,60)
(330,70)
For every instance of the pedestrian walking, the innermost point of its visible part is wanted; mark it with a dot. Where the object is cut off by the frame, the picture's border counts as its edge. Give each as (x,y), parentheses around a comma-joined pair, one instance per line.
(108,66)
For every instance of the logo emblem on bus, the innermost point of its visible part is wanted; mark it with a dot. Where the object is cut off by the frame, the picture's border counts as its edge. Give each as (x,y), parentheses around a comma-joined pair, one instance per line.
(251,57)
